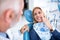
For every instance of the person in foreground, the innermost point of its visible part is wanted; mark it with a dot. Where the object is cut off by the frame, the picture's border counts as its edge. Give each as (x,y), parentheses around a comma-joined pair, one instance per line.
(44,24)
(10,12)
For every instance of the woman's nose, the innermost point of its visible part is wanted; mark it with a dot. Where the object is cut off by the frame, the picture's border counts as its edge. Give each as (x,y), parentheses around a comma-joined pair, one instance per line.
(38,15)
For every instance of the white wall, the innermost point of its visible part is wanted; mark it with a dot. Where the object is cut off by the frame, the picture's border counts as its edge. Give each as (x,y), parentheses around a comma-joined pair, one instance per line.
(31,4)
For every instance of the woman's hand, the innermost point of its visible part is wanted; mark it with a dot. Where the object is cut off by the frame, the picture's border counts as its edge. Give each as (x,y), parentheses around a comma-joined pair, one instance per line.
(43,17)
(46,21)
(24,28)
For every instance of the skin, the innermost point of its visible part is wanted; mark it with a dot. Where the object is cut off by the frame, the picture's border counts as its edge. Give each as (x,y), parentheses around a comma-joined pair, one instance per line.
(39,16)
(24,28)
(8,16)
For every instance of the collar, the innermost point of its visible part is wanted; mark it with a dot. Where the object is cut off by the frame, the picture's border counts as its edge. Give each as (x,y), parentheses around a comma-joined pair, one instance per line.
(4,34)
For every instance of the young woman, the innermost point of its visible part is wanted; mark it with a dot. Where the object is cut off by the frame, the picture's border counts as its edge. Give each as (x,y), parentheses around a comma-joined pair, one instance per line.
(41,23)
(39,17)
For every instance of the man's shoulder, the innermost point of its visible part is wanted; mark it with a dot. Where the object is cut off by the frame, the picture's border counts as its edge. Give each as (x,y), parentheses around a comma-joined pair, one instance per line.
(3,38)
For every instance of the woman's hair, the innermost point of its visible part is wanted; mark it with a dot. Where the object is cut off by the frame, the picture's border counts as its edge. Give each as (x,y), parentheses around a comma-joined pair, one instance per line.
(33,13)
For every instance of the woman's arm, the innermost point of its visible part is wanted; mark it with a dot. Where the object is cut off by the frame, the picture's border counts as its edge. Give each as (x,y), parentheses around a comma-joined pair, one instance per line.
(54,32)
(56,35)
(46,21)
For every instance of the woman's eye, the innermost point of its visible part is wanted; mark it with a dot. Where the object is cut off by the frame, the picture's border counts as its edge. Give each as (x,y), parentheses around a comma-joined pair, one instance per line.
(39,12)
(35,13)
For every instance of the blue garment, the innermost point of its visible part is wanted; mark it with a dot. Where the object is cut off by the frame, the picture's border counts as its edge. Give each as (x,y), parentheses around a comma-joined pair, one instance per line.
(56,35)
(34,36)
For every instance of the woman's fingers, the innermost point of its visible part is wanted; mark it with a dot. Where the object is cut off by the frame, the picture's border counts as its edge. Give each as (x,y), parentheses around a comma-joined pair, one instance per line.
(24,28)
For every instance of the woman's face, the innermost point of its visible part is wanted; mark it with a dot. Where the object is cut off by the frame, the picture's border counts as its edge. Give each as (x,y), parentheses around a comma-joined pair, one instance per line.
(38,15)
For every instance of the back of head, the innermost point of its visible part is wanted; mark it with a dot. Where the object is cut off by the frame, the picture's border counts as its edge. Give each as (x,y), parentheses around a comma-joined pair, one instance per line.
(10,12)
(9,4)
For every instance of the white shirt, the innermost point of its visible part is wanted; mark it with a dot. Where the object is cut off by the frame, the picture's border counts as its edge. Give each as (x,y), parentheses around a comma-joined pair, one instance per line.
(3,36)
(14,32)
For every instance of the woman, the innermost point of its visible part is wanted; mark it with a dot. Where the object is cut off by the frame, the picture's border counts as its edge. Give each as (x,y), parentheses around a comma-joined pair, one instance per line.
(39,17)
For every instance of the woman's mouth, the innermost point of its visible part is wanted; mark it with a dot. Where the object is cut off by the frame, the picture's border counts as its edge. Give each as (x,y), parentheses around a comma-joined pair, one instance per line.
(39,18)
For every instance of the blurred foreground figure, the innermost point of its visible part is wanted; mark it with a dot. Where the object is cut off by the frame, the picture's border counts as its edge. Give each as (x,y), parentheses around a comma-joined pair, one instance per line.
(10,12)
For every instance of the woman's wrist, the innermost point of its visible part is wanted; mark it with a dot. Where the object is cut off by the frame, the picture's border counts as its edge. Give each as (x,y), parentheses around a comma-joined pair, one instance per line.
(51,30)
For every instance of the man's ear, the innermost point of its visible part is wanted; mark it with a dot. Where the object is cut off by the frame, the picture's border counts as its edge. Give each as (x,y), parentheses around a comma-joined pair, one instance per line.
(9,15)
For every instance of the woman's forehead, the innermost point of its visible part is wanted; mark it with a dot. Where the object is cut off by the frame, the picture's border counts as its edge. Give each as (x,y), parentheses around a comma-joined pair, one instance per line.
(36,10)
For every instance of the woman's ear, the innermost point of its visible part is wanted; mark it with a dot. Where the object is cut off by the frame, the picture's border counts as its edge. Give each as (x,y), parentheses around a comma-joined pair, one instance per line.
(9,15)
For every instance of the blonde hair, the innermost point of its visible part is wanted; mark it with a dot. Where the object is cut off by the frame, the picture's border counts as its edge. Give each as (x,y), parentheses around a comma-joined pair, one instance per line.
(33,13)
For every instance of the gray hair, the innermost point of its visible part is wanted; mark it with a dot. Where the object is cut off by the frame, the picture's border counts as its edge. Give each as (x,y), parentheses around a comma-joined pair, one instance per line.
(9,4)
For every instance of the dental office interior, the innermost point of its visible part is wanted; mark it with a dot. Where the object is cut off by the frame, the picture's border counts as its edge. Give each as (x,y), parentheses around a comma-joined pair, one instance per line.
(51,8)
